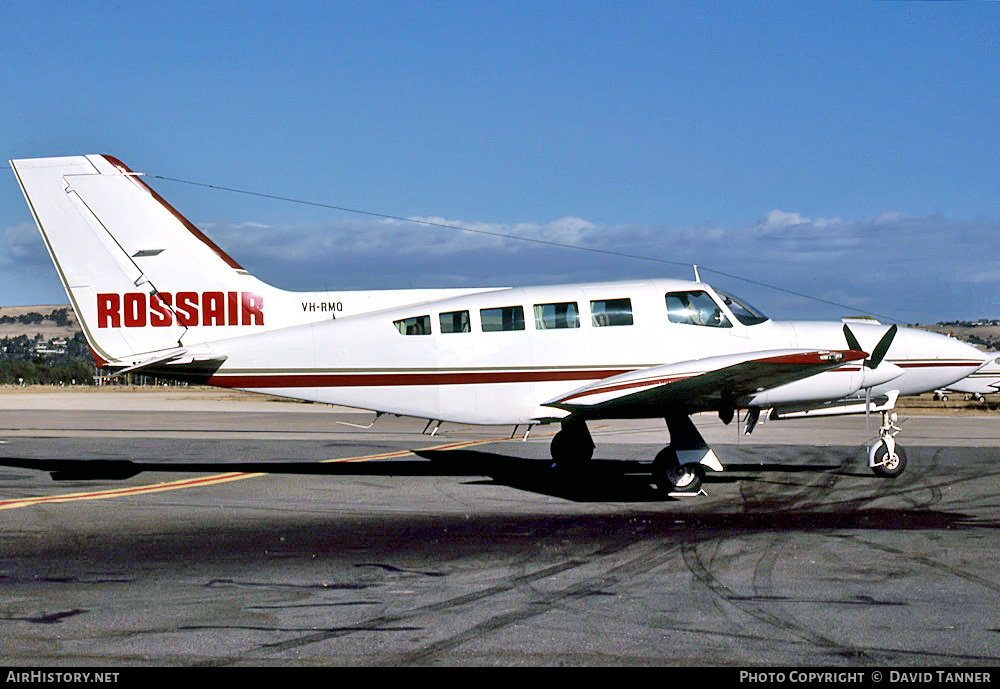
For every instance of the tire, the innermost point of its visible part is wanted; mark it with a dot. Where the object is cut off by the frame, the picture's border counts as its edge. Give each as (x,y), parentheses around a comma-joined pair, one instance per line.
(894,468)
(670,477)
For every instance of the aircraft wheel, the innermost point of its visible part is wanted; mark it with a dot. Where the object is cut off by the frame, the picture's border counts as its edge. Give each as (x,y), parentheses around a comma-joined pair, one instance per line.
(570,448)
(892,467)
(670,477)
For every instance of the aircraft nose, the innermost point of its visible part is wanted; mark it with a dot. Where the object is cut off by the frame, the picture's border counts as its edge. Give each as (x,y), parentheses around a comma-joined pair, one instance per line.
(933,360)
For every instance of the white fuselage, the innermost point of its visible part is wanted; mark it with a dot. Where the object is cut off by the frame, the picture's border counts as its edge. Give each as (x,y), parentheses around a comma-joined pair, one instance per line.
(400,361)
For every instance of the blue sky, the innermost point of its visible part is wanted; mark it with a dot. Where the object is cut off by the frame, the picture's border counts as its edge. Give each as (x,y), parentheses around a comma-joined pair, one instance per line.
(847,150)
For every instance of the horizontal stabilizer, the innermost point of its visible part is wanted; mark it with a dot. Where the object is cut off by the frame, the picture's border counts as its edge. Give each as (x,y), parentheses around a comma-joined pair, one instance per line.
(163,359)
(176,364)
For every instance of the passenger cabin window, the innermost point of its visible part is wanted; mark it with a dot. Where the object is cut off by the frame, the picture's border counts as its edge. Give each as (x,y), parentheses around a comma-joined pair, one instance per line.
(695,308)
(418,325)
(606,312)
(556,316)
(455,322)
(503,318)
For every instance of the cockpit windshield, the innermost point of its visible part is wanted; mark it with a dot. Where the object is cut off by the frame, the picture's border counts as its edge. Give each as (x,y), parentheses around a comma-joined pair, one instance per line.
(744,312)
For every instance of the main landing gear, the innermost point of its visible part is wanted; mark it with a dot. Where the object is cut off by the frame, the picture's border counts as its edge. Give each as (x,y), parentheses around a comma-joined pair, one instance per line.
(678,469)
(885,458)
(670,476)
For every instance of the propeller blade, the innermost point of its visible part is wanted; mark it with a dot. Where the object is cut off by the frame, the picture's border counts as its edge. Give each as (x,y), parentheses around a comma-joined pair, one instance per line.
(882,347)
(852,342)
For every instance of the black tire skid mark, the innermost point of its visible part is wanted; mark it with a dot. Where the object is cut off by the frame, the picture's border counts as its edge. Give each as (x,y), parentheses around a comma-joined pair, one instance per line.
(891,488)
(726,596)
(653,555)
(763,573)
(929,562)
(805,494)
(892,654)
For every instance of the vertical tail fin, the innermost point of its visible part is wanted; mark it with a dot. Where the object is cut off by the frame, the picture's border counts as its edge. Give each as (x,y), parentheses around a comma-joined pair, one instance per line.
(143,279)
(140,277)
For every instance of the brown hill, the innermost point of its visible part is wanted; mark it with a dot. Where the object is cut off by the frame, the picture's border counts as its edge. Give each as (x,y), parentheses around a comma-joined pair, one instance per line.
(47,328)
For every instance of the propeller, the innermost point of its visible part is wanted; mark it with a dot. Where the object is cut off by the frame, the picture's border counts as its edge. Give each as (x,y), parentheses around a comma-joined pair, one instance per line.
(875,358)
(872,362)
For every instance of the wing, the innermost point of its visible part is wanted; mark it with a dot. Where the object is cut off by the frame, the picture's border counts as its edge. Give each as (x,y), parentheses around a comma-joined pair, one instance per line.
(716,382)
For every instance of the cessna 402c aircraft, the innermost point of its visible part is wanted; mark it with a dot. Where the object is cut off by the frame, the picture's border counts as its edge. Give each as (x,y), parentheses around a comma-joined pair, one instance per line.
(155,295)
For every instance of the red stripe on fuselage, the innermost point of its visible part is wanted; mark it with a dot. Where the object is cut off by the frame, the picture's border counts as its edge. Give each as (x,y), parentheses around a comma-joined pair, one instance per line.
(939,364)
(347,380)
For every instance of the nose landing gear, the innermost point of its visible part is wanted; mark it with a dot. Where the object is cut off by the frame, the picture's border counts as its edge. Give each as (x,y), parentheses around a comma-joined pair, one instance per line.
(885,458)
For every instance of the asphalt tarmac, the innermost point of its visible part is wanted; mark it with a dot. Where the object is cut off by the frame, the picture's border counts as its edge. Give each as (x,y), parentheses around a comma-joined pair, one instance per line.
(389,547)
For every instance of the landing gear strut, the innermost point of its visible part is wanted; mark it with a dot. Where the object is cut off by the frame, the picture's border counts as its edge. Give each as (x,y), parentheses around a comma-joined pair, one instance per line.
(885,458)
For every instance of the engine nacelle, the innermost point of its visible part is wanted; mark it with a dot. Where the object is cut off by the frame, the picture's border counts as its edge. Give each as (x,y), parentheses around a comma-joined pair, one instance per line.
(886,372)
(830,385)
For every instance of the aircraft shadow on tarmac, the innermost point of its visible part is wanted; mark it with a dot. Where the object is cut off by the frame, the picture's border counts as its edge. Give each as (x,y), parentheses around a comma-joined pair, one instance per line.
(599,480)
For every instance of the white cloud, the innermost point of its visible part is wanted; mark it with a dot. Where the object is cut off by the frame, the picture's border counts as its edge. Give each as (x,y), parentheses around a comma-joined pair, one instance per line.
(981,276)
(778,219)
(21,243)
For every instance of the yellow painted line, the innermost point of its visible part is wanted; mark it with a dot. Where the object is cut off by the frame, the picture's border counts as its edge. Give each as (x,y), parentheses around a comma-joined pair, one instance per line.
(217,479)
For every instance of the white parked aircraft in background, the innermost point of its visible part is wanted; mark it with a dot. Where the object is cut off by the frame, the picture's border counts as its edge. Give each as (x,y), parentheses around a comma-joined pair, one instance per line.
(985,381)
(155,295)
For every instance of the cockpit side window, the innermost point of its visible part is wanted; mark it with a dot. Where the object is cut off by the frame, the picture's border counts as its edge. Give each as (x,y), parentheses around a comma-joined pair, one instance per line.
(695,308)
(744,312)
